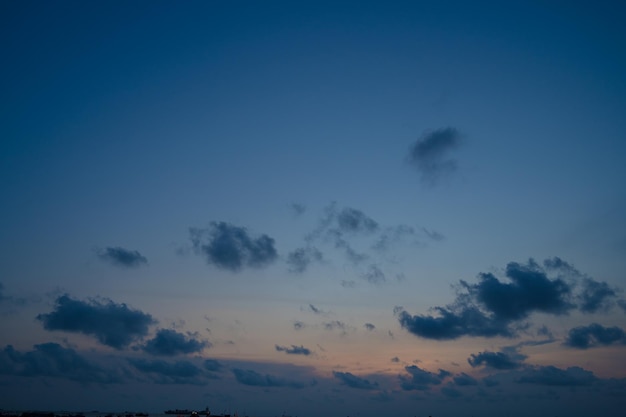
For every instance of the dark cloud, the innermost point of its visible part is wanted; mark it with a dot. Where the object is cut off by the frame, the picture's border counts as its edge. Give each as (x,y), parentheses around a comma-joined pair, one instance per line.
(122,257)
(253,378)
(170,343)
(336,325)
(584,337)
(497,308)
(596,296)
(231,247)
(212,365)
(495,360)
(395,359)
(369,326)
(294,350)
(53,360)
(429,154)
(622,304)
(451,392)
(300,259)
(162,372)
(420,379)
(316,310)
(354,381)
(298,325)
(114,325)
(464,379)
(552,376)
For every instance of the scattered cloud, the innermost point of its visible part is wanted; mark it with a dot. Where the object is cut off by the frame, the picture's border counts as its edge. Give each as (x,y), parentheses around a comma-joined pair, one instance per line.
(420,379)
(495,308)
(317,310)
(496,360)
(212,365)
(300,259)
(464,379)
(114,325)
(354,381)
(297,208)
(585,337)
(231,247)
(53,360)
(122,257)
(552,376)
(162,372)
(170,343)
(253,378)
(596,296)
(369,326)
(298,325)
(429,155)
(374,275)
(294,350)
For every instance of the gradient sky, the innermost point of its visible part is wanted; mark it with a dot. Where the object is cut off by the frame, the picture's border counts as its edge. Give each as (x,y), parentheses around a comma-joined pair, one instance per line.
(316,208)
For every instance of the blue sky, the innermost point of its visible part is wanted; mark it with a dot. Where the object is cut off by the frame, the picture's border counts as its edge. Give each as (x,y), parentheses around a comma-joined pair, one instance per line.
(317,208)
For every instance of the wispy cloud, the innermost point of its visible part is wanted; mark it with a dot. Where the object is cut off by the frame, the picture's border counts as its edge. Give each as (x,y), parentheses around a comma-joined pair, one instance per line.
(294,350)
(420,379)
(231,247)
(253,378)
(114,325)
(162,372)
(300,258)
(429,155)
(121,257)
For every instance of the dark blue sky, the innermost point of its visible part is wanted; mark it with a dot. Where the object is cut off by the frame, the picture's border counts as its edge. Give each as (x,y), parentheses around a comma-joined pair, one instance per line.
(337,208)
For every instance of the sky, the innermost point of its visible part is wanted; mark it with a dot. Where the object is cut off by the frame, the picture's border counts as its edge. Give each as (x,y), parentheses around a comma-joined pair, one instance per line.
(313,208)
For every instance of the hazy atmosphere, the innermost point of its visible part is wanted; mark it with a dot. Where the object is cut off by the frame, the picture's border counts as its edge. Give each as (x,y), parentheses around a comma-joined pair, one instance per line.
(315,208)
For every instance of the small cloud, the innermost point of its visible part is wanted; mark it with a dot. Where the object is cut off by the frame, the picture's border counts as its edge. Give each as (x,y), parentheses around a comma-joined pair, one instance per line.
(395,359)
(114,325)
(463,380)
(294,350)
(170,343)
(374,275)
(122,257)
(297,208)
(354,381)
(298,325)
(231,247)
(429,155)
(369,327)
(253,378)
(212,365)
(317,310)
(300,259)
(420,379)
(179,372)
(585,337)
(596,296)
(496,360)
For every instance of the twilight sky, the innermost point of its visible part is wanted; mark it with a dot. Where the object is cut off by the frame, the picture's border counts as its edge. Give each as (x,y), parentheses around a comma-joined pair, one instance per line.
(316,208)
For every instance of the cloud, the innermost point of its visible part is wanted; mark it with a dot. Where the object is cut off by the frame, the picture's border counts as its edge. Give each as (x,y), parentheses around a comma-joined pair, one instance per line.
(298,325)
(350,220)
(253,378)
(552,376)
(179,372)
(584,337)
(316,310)
(294,350)
(53,360)
(231,247)
(354,381)
(463,380)
(122,257)
(337,325)
(114,325)
(496,360)
(596,296)
(493,307)
(374,275)
(429,154)
(297,208)
(369,326)
(420,379)
(212,365)
(300,259)
(170,343)
(9,299)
